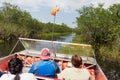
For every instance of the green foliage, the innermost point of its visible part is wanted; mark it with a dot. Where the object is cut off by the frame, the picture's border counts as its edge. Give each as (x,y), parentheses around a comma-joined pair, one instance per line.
(15,23)
(97,25)
(110,61)
(73,49)
(101,28)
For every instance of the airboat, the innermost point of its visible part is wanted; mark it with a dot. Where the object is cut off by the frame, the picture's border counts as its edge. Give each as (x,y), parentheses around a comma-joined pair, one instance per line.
(61,52)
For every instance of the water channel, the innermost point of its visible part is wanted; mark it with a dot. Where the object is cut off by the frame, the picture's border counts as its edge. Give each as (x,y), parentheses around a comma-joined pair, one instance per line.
(5,48)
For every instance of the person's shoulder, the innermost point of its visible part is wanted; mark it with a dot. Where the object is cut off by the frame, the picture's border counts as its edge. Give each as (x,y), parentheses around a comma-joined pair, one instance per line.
(5,76)
(68,69)
(65,72)
(52,61)
(28,76)
(84,69)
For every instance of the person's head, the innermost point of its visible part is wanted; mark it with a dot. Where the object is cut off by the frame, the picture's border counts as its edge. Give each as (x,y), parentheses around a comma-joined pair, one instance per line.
(15,67)
(45,54)
(76,60)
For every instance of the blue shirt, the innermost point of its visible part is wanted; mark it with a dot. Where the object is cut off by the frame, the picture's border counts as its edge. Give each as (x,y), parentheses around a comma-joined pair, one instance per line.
(1,73)
(45,68)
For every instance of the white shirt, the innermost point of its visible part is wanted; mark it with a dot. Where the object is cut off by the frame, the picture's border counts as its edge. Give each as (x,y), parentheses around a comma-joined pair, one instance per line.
(23,76)
(72,74)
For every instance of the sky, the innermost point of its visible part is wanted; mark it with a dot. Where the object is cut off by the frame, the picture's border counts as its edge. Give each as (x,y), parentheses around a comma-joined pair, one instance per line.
(40,9)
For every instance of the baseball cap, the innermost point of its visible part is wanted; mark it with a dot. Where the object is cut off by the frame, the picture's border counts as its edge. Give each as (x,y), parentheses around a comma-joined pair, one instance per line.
(45,54)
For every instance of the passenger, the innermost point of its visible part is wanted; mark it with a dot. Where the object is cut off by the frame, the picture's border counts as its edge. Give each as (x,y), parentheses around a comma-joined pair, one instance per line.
(29,60)
(45,67)
(15,68)
(75,72)
(1,73)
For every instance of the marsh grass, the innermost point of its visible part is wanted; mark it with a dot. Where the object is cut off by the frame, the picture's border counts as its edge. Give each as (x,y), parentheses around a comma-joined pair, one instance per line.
(81,50)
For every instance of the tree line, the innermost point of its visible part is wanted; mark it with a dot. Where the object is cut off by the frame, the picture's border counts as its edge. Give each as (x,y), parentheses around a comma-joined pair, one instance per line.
(15,23)
(101,28)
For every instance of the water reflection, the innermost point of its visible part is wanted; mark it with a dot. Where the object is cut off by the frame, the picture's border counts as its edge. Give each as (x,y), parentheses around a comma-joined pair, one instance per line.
(67,38)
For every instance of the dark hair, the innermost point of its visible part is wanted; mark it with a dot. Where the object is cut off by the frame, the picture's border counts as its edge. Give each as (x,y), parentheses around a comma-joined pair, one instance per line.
(76,61)
(15,67)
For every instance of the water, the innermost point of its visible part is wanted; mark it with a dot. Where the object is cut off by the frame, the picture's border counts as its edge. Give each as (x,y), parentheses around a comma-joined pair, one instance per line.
(67,38)
(5,48)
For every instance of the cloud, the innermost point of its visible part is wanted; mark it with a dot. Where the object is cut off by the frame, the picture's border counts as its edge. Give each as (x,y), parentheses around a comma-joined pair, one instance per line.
(106,3)
(65,5)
